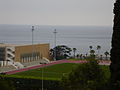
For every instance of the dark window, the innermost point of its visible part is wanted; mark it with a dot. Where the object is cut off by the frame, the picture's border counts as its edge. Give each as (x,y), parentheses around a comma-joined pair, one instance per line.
(2,54)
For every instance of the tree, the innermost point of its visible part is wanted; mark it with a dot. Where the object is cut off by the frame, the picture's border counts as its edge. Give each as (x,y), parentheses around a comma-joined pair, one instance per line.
(81,56)
(90,47)
(77,56)
(92,52)
(88,76)
(74,51)
(106,54)
(51,53)
(115,51)
(98,48)
(101,57)
(62,52)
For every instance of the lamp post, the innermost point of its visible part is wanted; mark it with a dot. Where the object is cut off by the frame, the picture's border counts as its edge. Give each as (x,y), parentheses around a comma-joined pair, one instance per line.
(55,32)
(32,41)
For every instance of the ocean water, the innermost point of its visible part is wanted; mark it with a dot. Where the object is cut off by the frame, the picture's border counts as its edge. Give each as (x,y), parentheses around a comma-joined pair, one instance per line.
(80,37)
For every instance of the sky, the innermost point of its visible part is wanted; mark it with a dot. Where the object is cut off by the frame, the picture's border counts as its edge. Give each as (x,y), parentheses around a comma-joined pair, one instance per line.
(57,12)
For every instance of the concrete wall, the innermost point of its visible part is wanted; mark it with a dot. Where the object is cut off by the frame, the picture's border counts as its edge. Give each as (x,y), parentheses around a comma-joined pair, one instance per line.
(43,49)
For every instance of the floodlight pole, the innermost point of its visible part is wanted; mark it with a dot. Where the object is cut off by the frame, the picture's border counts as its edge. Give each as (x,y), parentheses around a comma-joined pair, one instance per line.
(55,32)
(32,41)
(42,80)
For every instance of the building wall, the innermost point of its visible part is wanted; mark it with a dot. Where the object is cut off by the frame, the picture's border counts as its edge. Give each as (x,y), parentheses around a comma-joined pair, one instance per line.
(28,50)
(6,55)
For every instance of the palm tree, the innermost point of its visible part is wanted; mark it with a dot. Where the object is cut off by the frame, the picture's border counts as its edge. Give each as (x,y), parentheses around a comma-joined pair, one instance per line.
(74,51)
(90,47)
(115,51)
(98,48)
(106,54)
(101,57)
(81,56)
(77,56)
(92,52)
(52,53)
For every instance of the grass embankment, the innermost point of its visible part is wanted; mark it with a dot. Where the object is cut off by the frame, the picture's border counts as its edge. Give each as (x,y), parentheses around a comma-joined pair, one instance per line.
(54,72)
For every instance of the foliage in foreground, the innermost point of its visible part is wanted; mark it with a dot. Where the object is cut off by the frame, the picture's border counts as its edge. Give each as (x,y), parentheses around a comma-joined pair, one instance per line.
(31,80)
(6,84)
(88,76)
(115,51)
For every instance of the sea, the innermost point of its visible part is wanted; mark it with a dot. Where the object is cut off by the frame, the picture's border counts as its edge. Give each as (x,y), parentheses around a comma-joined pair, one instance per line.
(80,37)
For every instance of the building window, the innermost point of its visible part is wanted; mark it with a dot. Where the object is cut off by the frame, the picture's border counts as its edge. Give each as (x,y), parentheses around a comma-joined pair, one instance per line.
(2,54)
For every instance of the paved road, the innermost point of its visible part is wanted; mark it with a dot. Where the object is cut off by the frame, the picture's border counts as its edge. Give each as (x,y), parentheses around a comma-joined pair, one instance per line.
(52,63)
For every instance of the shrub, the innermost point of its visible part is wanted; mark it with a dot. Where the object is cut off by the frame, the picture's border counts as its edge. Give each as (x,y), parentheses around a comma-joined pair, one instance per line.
(6,84)
(88,76)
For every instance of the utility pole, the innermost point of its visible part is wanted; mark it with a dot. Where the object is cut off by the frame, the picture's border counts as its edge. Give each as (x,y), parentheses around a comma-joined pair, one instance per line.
(55,32)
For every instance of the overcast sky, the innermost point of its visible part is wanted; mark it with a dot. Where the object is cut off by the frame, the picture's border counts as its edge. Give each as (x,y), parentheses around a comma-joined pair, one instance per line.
(57,12)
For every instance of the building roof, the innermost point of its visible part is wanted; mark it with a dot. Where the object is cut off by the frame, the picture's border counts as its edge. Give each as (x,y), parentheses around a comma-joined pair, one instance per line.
(6,45)
(31,45)
(13,45)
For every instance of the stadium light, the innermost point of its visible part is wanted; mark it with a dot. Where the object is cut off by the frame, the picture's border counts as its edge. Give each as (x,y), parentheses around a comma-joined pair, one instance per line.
(55,32)
(32,41)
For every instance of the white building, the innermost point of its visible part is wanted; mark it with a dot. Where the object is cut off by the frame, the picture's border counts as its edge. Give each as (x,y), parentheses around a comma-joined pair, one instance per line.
(6,54)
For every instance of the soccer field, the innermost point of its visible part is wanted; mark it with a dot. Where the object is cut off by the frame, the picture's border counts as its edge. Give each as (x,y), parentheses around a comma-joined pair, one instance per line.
(54,72)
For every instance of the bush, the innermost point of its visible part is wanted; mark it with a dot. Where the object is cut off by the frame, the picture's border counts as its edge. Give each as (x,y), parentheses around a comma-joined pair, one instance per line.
(88,76)
(6,84)
(30,84)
